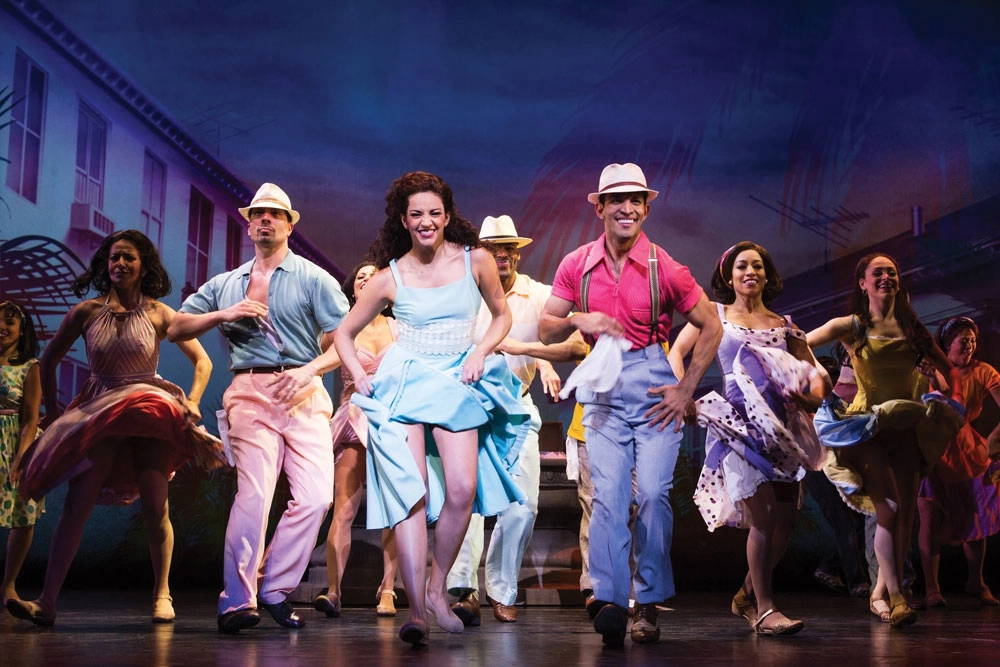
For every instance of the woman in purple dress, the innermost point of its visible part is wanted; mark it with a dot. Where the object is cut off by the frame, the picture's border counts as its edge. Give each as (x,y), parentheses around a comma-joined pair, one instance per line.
(759,436)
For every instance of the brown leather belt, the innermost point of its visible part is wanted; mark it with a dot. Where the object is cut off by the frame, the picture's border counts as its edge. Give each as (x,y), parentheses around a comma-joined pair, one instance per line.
(265,369)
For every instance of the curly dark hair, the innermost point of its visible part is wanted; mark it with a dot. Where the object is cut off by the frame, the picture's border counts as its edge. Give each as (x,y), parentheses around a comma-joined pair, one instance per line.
(393,240)
(723,274)
(950,330)
(155,282)
(914,331)
(27,344)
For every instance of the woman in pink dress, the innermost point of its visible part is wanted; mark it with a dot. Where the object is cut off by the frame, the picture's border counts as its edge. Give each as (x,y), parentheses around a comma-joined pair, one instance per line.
(350,435)
(128,429)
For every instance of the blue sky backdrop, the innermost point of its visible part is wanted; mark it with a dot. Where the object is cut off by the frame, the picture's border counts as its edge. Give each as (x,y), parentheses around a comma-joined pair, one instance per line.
(747,116)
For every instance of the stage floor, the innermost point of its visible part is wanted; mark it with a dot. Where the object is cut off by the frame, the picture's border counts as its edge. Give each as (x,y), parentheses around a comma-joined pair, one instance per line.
(112,628)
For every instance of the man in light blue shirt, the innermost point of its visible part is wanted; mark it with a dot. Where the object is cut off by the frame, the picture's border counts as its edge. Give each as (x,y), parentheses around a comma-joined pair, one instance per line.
(278,312)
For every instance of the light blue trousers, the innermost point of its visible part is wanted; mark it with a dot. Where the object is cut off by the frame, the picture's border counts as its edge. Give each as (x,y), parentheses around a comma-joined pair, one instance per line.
(620,440)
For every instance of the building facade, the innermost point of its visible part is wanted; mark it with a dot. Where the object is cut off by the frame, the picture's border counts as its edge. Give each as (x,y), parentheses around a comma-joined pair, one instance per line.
(88,153)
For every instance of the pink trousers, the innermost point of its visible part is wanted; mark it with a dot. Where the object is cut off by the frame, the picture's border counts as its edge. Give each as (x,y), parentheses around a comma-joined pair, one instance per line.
(269,437)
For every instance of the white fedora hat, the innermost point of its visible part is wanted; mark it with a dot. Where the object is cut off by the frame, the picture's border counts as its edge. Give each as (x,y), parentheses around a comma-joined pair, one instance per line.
(270,196)
(626,177)
(501,230)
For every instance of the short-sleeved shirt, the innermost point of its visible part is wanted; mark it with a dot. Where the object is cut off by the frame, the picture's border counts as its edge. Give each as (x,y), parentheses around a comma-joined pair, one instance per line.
(526,299)
(628,299)
(303,300)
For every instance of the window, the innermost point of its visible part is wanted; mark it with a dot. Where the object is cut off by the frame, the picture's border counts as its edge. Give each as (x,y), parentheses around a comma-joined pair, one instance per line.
(25,147)
(91,143)
(199,238)
(154,184)
(234,243)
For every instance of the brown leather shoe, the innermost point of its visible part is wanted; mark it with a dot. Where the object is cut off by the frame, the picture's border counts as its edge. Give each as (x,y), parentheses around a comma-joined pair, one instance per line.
(503,612)
(467,609)
(644,628)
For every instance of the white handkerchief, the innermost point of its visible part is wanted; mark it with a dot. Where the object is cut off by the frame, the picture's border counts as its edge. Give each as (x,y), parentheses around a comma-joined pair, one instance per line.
(600,370)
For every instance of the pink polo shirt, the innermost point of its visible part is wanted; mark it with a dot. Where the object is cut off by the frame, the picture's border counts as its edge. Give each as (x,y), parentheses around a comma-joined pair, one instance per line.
(628,299)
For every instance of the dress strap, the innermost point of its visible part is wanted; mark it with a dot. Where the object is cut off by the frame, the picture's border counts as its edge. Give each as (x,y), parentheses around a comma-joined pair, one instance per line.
(468,259)
(395,273)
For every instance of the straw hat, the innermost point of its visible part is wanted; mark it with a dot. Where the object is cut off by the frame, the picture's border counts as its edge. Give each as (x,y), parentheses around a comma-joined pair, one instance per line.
(626,177)
(501,230)
(270,196)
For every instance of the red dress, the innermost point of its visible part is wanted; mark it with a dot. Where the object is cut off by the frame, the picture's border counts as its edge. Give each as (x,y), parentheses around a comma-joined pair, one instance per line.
(123,400)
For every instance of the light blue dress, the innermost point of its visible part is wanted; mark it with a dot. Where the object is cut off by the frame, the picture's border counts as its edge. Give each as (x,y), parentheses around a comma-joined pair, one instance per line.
(419,382)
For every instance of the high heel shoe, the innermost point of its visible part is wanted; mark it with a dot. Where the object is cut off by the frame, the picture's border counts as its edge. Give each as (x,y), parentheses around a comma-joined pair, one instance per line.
(163,609)
(901,613)
(386,603)
(745,605)
(446,620)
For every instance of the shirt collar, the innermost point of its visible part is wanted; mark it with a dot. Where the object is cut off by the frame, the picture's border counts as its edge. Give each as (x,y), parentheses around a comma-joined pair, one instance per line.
(520,286)
(638,253)
(289,264)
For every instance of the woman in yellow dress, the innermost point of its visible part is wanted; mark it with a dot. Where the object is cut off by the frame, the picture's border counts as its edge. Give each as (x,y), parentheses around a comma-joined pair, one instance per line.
(889,434)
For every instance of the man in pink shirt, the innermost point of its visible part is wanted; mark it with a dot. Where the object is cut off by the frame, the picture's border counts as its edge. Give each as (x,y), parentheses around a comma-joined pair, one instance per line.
(605,288)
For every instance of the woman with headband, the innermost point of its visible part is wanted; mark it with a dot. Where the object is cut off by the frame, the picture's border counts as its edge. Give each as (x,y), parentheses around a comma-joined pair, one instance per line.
(890,431)
(958,501)
(759,436)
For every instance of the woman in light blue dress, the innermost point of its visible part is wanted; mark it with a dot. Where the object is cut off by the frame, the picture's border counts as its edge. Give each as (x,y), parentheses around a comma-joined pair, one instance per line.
(445,422)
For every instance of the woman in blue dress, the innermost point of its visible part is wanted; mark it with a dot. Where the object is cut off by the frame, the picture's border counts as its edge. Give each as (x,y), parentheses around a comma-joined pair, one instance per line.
(445,423)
